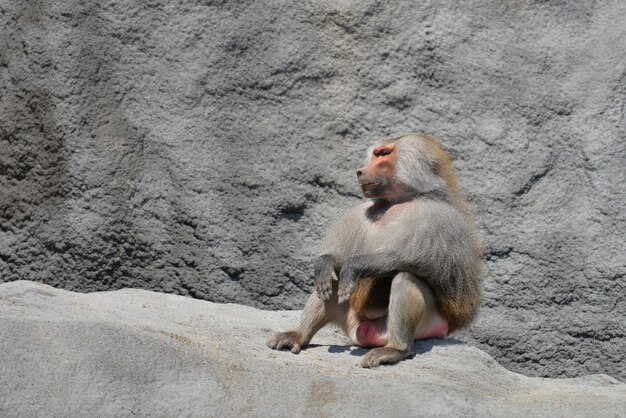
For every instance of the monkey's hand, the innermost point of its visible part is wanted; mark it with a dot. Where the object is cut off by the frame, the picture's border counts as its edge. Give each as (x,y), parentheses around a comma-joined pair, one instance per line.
(347,279)
(291,340)
(370,266)
(325,275)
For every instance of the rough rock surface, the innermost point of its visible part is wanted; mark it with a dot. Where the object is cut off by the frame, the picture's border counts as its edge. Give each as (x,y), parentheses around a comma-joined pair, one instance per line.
(140,353)
(202,147)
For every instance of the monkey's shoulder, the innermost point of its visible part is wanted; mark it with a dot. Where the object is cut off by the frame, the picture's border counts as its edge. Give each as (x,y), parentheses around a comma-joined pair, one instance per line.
(422,208)
(426,218)
(411,210)
(439,213)
(416,216)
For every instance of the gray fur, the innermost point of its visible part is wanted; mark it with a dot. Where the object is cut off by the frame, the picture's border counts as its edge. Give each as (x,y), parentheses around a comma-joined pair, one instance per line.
(432,241)
(435,239)
(416,166)
(426,236)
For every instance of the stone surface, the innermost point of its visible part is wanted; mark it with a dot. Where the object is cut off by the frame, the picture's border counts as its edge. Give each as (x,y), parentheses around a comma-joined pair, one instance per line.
(202,147)
(139,353)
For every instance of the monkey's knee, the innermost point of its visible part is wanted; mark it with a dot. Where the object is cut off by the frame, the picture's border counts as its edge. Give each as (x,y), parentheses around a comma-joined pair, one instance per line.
(405,281)
(410,292)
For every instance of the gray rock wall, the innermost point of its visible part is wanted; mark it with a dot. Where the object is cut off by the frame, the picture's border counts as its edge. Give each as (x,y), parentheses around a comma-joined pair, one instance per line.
(202,147)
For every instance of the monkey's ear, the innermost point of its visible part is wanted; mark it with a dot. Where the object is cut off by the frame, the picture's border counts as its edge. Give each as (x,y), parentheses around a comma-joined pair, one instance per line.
(435,164)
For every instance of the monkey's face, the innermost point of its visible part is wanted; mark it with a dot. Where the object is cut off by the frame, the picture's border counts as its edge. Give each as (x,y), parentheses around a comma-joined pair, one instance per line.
(378,177)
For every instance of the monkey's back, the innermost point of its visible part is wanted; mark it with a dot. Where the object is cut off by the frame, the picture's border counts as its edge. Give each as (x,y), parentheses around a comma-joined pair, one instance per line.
(448,257)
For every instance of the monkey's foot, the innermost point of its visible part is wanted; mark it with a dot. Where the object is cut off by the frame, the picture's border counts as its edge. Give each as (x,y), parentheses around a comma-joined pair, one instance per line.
(291,340)
(384,355)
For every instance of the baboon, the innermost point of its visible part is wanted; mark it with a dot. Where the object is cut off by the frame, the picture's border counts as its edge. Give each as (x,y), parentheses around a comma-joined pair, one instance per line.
(405,265)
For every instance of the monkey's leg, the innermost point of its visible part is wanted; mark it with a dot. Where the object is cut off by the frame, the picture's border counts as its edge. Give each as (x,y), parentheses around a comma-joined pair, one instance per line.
(409,301)
(315,315)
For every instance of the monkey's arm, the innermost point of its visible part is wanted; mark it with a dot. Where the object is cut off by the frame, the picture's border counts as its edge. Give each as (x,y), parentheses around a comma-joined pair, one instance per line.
(325,273)
(370,266)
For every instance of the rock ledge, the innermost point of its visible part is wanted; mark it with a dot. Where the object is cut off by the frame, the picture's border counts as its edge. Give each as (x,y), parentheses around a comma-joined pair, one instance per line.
(135,352)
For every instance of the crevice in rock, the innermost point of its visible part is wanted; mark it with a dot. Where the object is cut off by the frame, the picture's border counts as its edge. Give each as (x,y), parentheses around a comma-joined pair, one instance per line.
(233,272)
(496,254)
(293,211)
(535,178)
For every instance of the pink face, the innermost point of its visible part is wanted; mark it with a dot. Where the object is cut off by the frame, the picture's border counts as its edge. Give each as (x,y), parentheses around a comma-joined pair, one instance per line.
(378,177)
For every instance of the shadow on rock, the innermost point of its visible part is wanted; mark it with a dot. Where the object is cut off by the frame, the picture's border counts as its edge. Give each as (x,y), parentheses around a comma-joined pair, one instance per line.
(420,347)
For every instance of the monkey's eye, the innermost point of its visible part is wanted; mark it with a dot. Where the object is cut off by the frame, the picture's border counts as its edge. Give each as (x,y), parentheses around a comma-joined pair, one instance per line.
(382,152)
